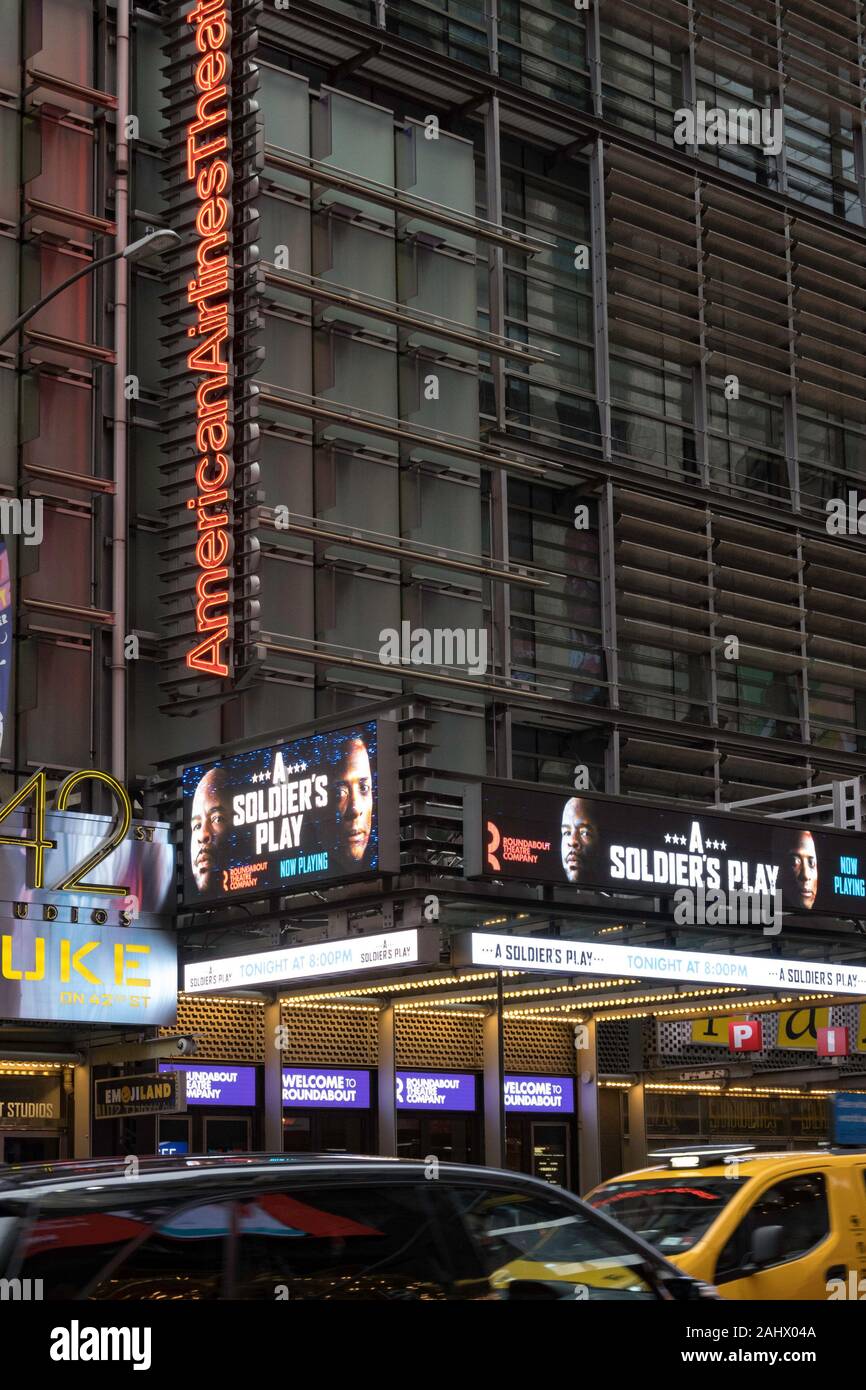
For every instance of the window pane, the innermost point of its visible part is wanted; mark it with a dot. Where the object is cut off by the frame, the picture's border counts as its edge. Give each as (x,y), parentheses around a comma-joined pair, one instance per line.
(528,1238)
(338,1243)
(798,1205)
(183,1259)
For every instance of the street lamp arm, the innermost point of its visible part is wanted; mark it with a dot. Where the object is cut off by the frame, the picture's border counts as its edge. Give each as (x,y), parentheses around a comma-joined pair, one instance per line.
(58,289)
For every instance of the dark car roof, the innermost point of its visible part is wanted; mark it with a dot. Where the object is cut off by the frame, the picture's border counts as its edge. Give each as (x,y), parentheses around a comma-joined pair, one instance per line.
(96,1181)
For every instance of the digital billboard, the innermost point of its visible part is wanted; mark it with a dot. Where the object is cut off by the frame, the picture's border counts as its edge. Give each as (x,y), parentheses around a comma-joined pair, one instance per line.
(372,954)
(539,1095)
(216,1083)
(434,1090)
(597,842)
(73,973)
(337,1088)
(558,956)
(91,943)
(292,816)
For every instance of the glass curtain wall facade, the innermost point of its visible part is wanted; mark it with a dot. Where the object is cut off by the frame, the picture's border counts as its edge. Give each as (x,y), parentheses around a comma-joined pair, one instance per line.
(501,311)
(611,380)
(531,370)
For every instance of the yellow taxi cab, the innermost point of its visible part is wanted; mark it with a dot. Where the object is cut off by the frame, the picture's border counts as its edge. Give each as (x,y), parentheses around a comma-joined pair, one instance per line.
(756,1225)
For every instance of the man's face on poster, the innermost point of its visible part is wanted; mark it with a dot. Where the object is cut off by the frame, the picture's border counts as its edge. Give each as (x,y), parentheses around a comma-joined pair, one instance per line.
(579,839)
(209,825)
(801,870)
(353,797)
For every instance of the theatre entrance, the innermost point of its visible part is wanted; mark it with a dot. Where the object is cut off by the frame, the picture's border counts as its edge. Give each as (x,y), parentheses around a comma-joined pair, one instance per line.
(540,1147)
(31,1146)
(328,1132)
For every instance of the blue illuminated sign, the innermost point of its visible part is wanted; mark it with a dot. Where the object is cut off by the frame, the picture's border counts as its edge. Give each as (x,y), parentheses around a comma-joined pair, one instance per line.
(539,1095)
(848,1119)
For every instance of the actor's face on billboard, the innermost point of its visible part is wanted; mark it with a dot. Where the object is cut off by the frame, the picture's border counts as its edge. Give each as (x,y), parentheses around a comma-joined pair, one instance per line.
(209,825)
(579,838)
(353,795)
(801,868)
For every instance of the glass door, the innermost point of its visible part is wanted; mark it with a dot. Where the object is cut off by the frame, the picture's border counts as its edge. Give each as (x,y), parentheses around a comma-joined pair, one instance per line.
(551,1158)
(29,1148)
(327,1132)
(173,1135)
(451,1138)
(227,1134)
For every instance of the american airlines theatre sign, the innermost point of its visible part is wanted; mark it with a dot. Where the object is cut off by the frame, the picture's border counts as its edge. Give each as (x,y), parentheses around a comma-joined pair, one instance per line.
(210,355)
(208,166)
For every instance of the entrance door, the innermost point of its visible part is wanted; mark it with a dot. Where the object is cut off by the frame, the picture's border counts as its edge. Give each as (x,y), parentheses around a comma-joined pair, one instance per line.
(551,1158)
(327,1132)
(29,1148)
(452,1138)
(227,1134)
(173,1135)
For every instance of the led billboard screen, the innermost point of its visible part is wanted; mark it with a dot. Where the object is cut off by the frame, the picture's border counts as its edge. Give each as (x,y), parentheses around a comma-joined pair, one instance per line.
(597,842)
(292,816)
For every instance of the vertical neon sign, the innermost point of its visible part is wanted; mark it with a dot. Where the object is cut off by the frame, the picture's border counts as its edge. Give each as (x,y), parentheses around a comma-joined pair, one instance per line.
(208,163)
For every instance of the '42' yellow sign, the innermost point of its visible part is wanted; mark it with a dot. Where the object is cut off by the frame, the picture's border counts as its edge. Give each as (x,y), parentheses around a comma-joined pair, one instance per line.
(38,843)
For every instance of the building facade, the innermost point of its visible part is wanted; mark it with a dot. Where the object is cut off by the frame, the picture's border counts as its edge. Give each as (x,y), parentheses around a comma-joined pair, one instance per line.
(540,390)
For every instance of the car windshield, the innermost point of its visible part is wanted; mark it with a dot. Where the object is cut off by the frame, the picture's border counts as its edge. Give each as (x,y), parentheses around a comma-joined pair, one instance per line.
(671,1213)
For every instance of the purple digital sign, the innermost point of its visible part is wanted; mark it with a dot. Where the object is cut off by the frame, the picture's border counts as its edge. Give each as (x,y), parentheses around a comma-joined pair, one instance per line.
(435,1090)
(219,1083)
(539,1095)
(336,1089)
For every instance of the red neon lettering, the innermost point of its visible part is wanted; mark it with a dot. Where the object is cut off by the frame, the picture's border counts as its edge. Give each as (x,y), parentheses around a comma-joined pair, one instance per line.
(212,548)
(206,358)
(204,621)
(210,71)
(205,483)
(208,164)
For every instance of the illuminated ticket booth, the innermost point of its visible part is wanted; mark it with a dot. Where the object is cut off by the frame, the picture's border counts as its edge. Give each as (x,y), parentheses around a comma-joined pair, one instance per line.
(328,1109)
(221,1110)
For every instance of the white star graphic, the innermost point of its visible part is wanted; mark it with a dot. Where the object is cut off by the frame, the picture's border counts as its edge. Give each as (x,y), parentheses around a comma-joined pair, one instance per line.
(722,845)
(667,839)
